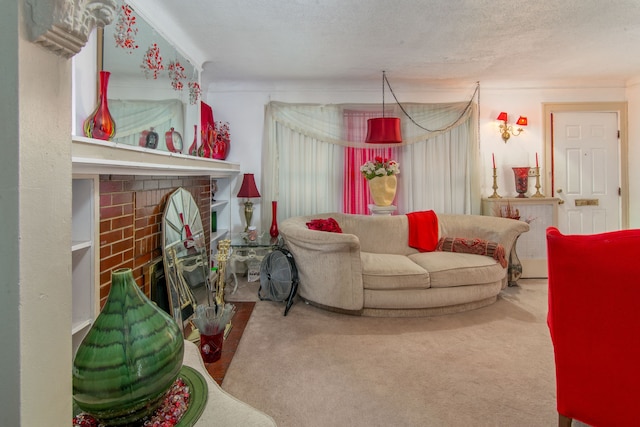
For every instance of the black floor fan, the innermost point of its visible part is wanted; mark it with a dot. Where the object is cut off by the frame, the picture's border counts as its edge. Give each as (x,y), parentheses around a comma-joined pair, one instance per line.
(278,278)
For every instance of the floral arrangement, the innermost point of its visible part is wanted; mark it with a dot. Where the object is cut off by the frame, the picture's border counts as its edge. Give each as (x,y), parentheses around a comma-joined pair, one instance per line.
(222,132)
(379,167)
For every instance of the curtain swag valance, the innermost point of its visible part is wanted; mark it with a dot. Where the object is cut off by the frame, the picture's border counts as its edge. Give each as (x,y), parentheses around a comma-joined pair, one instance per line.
(324,123)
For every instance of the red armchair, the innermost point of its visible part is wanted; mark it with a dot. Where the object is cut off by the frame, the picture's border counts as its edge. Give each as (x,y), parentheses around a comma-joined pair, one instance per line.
(594,322)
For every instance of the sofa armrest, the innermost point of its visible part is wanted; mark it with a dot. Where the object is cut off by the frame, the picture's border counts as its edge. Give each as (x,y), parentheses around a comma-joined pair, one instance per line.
(501,230)
(329,265)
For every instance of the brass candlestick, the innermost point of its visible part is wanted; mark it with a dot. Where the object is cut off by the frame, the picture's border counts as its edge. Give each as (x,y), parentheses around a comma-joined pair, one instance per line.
(222,256)
(495,194)
(224,251)
(538,193)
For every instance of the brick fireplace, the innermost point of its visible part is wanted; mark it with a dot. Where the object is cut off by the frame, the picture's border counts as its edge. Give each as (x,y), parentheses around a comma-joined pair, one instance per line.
(131,209)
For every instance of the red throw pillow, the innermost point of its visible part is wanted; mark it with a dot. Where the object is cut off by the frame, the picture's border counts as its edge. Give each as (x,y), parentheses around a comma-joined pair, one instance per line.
(328,224)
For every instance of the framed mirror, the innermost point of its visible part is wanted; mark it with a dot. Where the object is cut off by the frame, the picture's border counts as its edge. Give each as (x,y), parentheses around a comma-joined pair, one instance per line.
(149,84)
(185,258)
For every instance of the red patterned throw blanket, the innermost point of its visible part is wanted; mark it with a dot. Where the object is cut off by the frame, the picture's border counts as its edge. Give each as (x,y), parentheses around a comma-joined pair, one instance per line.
(473,246)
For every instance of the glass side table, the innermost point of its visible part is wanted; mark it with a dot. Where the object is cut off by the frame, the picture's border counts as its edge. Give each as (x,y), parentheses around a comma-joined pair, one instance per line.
(251,253)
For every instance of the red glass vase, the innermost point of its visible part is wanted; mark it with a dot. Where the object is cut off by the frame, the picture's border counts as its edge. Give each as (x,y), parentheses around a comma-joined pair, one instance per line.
(522,180)
(193,150)
(208,138)
(100,124)
(220,149)
(222,142)
(273,231)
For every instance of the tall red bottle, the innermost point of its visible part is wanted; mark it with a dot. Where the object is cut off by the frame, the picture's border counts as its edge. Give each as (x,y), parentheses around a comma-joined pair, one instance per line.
(273,231)
(100,124)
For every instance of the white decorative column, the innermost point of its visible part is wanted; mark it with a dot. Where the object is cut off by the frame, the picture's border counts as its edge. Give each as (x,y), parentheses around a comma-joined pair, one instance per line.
(382,210)
(63,26)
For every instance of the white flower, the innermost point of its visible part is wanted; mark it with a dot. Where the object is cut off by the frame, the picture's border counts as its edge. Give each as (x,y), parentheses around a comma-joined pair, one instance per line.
(381,167)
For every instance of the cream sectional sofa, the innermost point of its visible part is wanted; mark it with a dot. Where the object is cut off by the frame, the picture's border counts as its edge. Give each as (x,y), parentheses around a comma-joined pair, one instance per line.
(370,269)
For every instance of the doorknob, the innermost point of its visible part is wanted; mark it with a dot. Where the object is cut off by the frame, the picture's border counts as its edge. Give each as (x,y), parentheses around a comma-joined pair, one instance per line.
(559,190)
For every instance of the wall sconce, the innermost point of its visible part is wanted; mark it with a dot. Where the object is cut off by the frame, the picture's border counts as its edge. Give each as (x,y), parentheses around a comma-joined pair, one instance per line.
(248,190)
(506,130)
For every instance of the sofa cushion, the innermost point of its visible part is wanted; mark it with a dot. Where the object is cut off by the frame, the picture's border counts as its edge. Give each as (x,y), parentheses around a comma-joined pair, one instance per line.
(381,234)
(392,271)
(448,269)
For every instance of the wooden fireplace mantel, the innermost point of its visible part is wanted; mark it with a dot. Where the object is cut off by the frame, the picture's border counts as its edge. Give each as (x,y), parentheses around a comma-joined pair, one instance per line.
(93,156)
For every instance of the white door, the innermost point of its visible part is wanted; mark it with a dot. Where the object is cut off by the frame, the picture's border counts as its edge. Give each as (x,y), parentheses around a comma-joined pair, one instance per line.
(586,173)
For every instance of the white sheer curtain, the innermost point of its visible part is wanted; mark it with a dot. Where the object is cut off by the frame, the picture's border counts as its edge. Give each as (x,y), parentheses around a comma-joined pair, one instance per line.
(303,157)
(442,171)
(135,116)
(301,171)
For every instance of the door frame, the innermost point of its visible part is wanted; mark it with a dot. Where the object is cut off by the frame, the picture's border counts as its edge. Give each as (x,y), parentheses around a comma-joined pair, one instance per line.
(623,163)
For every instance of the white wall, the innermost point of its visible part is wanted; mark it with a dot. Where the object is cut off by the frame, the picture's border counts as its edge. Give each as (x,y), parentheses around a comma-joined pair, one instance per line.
(10,223)
(35,174)
(633,99)
(242,105)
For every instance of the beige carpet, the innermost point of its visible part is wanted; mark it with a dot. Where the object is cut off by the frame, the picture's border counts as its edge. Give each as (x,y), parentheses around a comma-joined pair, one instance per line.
(488,367)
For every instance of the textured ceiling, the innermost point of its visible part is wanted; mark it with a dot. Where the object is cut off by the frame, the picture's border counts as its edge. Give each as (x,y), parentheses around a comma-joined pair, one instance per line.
(446,41)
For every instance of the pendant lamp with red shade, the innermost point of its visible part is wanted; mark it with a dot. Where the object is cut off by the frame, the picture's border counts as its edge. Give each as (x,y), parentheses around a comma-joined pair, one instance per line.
(383,130)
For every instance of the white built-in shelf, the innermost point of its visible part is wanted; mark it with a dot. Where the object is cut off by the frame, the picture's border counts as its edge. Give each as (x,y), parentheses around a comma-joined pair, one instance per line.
(84,263)
(222,209)
(218,204)
(93,156)
(78,245)
(79,326)
(219,235)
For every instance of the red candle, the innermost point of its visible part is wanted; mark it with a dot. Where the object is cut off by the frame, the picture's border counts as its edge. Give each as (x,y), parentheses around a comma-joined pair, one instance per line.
(537,160)
(493,157)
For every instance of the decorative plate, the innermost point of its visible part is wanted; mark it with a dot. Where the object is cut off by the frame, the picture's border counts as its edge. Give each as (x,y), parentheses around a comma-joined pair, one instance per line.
(199,393)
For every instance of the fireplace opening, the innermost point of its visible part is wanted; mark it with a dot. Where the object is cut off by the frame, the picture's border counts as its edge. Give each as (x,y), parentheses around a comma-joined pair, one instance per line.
(155,282)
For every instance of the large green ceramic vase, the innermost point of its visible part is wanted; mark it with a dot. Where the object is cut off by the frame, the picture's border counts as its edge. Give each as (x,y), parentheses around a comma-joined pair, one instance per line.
(130,357)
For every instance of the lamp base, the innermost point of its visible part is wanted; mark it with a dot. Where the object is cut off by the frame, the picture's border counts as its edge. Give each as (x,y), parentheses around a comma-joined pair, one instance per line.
(248,213)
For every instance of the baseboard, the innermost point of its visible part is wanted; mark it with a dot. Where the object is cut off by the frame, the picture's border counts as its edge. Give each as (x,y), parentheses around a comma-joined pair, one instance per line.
(534,268)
